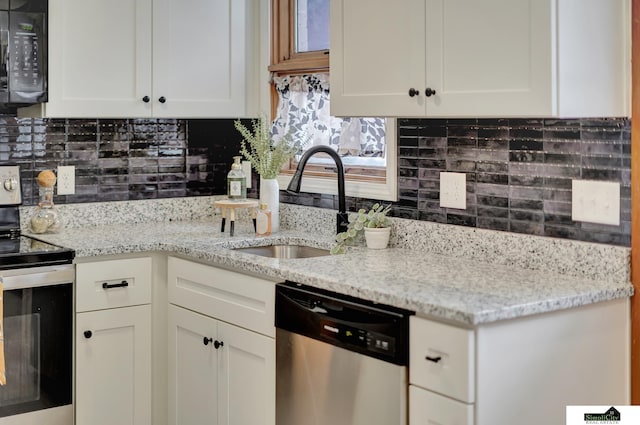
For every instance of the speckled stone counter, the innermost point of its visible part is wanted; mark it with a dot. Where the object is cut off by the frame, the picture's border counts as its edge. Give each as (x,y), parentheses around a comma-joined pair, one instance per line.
(468,289)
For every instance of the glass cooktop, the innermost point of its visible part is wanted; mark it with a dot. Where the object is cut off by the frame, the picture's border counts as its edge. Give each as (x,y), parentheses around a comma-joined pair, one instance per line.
(26,251)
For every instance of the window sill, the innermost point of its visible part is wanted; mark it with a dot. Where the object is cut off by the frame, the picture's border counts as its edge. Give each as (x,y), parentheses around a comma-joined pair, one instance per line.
(372,190)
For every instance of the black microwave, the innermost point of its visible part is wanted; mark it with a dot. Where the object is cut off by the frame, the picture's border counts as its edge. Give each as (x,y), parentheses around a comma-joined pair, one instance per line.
(23,52)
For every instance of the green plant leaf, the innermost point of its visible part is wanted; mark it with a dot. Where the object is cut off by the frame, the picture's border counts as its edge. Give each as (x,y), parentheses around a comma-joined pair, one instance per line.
(257,146)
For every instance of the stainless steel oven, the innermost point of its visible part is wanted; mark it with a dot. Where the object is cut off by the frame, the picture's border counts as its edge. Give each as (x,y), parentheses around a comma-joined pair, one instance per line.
(37,319)
(38,325)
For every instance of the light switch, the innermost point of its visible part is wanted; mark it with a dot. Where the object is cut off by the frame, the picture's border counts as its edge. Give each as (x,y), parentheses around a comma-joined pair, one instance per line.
(453,190)
(595,202)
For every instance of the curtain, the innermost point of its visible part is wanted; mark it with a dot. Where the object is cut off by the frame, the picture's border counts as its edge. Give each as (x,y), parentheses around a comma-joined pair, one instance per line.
(303,111)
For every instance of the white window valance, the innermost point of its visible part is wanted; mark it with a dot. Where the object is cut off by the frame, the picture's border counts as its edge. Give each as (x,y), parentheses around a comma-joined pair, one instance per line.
(303,109)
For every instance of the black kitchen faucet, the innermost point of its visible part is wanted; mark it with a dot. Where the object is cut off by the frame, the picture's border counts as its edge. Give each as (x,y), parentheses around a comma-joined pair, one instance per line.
(294,185)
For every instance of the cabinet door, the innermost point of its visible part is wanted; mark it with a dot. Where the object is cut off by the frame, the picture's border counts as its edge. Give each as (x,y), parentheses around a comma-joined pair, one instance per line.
(377,55)
(247,377)
(200,58)
(193,368)
(489,58)
(100,58)
(113,371)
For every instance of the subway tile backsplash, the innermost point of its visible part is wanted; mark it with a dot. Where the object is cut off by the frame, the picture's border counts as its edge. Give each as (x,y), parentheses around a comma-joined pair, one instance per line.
(122,159)
(519,171)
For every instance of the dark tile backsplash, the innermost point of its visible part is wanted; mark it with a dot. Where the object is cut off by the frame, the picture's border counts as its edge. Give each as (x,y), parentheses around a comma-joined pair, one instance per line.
(122,159)
(519,171)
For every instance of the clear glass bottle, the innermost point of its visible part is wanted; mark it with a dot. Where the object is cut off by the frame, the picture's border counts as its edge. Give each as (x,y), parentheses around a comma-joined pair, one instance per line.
(263,221)
(236,181)
(46,218)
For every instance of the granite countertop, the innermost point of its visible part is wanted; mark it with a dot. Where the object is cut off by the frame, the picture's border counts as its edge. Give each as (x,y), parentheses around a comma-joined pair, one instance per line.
(466,291)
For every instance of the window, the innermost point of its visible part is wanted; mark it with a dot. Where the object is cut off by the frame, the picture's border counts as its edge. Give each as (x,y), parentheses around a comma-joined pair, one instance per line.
(300,66)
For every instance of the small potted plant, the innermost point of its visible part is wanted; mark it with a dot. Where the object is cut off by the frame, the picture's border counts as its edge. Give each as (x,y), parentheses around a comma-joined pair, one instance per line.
(374,224)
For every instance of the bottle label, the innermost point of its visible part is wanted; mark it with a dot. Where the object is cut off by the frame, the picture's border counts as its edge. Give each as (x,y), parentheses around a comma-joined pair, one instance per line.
(235,188)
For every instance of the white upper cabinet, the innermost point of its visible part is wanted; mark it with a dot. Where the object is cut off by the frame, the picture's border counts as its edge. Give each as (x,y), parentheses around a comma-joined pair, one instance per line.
(200,58)
(151,58)
(488,58)
(377,54)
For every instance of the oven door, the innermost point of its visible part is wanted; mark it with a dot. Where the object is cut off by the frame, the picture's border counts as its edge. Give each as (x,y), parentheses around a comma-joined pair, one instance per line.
(37,322)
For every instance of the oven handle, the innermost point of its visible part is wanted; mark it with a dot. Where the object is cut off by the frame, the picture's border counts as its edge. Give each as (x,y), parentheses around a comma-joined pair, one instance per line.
(32,277)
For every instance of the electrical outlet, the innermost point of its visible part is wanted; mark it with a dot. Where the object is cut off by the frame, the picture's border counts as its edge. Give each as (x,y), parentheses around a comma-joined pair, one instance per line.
(595,202)
(453,190)
(66,180)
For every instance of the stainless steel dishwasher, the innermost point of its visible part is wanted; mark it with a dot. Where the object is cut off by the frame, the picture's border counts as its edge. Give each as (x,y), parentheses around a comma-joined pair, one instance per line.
(339,360)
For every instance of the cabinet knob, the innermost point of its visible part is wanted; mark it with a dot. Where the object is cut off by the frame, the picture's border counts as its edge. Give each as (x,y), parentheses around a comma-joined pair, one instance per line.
(162,99)
(429,92)
(413,92)
(146,99)
(218,344)
(206,340)
(88,334)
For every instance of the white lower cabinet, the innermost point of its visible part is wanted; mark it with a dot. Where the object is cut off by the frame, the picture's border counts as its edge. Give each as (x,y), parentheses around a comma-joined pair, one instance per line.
(231,384)
(113,371)
(219,373)
(522,371)
(113,342)
(193,368)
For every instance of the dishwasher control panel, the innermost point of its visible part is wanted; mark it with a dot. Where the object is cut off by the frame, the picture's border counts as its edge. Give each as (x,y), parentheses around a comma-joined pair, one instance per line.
(371,329)
(368,340)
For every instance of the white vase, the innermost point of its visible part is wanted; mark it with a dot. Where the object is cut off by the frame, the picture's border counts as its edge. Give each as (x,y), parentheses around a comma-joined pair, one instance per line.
(270,195)
(377,238)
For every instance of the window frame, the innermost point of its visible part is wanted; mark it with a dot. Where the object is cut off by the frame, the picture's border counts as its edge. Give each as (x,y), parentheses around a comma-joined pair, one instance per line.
(284,57)
(285,61)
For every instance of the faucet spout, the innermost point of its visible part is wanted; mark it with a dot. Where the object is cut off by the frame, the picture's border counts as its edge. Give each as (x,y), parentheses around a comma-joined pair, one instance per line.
(296,180)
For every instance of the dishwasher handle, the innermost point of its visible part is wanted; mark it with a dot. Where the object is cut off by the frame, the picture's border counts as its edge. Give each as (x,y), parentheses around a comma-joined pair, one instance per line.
(309,304)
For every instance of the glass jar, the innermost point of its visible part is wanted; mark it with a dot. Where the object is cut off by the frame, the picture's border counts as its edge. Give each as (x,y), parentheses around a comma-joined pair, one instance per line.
(46,218)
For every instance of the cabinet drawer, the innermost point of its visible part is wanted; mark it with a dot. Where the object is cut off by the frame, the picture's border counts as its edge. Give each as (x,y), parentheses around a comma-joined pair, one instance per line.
(243,300)
(113,283)
(441,358)
(427,408)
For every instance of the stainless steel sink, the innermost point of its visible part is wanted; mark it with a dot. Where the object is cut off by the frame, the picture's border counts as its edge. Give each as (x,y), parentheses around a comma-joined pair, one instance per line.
(285,251)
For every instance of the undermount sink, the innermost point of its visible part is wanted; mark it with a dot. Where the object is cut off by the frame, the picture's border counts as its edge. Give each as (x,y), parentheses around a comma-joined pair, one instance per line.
(285,251)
